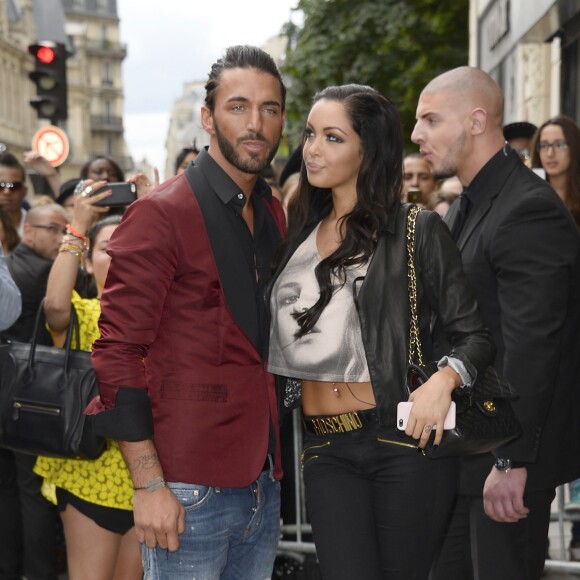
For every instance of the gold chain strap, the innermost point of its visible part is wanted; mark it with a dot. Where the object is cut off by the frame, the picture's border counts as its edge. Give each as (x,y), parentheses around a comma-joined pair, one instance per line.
(415,349)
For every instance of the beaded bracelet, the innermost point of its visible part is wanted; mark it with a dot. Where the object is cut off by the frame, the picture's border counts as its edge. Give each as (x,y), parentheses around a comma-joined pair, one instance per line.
(72,239)
(71,249)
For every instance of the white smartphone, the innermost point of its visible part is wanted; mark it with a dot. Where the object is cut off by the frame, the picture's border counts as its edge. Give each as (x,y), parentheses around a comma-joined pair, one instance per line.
(404,409)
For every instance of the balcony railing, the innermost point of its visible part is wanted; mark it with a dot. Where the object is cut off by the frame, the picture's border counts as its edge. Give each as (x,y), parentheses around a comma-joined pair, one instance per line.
(106,123)
(106,47)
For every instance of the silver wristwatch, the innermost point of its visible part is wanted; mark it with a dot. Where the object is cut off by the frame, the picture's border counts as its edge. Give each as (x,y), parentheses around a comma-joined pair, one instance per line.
(502,464)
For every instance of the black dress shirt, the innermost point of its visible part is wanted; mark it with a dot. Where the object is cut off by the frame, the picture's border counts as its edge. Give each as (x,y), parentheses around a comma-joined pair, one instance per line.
(245,300)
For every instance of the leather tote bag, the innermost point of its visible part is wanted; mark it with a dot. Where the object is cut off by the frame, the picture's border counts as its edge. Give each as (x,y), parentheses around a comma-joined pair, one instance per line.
(43,393)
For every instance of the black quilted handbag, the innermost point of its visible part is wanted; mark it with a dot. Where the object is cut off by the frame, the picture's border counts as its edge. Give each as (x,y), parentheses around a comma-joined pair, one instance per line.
(43,393)
(485,418)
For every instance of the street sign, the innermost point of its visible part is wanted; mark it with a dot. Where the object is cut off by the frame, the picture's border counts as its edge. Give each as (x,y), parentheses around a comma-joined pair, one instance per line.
(52,143)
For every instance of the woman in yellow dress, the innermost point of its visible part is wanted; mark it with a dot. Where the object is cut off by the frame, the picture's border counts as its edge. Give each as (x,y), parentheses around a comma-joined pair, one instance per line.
(94,497)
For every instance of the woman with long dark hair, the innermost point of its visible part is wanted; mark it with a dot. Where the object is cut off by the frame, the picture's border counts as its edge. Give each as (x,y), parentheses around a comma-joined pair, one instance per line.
(377,505)
(556,149)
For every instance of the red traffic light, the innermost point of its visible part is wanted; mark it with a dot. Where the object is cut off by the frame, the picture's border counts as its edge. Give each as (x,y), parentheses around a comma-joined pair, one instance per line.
(45,54)
(49,76)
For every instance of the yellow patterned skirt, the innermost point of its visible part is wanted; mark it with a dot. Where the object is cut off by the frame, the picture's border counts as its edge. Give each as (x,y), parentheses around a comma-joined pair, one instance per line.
(104,481)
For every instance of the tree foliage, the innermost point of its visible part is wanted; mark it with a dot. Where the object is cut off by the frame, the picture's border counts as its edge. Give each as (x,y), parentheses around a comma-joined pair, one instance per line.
(395,46)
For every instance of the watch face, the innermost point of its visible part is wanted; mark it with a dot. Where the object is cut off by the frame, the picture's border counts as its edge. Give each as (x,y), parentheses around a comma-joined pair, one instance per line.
(503,464)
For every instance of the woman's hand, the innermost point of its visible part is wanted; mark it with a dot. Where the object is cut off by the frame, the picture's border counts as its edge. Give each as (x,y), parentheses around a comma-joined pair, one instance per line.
(39,164)
(144,185)
(85,212)
(431,403)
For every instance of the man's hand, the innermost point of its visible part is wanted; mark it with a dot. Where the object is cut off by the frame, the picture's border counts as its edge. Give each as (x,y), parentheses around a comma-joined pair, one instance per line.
(159,518)
(503,495)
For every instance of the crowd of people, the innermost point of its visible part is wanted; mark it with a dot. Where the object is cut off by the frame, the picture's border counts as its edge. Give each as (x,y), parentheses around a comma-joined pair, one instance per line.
(227,296)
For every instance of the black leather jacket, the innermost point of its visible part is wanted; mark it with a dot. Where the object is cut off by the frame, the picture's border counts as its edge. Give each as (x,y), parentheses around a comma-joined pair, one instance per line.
(383,306)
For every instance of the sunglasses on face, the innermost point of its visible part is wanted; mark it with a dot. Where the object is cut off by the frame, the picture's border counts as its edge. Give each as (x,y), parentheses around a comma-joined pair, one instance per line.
(11,184)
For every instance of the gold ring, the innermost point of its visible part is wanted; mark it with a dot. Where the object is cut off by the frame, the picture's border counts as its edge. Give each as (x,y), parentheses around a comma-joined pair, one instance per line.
(427,428)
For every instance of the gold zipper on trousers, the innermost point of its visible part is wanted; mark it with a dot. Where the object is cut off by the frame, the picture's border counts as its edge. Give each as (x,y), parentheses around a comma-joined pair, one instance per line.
(19,406)
(302,462)
(401,443)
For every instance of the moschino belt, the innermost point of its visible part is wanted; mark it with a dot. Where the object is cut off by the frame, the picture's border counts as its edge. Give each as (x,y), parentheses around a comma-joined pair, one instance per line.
(343,423)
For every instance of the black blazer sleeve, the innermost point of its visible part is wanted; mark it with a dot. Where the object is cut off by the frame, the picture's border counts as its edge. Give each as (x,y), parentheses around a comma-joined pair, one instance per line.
(449,295)
(533,252)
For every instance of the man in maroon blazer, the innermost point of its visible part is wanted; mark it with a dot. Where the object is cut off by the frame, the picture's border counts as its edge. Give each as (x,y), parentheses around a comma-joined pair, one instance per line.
(180,360)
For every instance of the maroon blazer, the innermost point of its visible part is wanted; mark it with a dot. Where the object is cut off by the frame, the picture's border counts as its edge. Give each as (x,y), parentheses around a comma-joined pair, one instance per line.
(167,330)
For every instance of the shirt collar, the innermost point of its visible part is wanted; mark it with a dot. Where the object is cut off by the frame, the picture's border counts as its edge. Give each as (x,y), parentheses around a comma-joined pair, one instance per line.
(224,186)
(480,181)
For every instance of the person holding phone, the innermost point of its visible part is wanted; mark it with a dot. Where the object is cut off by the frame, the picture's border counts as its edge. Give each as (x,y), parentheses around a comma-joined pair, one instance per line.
(94,497)
(377,505)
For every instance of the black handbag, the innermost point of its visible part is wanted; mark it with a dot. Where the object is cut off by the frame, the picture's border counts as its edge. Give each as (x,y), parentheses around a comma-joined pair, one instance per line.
(43,393)
(485,418)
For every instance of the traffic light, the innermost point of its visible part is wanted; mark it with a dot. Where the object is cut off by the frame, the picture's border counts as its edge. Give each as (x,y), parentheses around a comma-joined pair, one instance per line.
(49,77)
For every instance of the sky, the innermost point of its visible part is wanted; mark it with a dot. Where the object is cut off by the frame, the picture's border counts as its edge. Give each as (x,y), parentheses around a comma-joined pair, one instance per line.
(172,42)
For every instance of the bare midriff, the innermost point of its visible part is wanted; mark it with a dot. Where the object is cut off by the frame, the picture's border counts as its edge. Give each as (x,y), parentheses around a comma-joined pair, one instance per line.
(327,398)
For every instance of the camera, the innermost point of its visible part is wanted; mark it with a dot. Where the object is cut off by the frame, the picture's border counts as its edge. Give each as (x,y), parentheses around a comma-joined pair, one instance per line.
(123,194)
(414,195)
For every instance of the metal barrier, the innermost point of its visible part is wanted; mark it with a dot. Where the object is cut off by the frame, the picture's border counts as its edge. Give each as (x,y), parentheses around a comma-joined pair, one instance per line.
(560,516)
(301,527)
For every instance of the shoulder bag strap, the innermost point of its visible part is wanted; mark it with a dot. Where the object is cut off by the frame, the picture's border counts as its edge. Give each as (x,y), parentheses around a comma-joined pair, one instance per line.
(73,328)
(415,349)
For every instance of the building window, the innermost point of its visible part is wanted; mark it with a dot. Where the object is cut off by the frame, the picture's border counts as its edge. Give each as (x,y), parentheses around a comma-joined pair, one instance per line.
(107,108)
(571,80)
(102,5)
(107,80)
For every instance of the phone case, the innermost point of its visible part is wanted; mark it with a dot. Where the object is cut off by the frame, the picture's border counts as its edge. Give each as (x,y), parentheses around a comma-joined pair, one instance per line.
(123,194)
(404,409)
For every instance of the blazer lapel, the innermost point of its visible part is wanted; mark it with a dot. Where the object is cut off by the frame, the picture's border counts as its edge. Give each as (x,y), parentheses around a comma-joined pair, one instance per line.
(476,214)
(485,199)
(227,253)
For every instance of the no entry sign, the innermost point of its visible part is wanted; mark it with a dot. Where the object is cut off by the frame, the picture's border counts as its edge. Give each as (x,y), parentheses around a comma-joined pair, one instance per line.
(52,143)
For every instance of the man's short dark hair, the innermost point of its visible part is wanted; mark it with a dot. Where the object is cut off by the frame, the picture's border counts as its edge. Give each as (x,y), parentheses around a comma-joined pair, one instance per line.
(9,160)
(241,56)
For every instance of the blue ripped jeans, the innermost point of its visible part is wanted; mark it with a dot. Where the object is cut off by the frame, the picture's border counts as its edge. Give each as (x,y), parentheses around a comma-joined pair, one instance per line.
(230,533)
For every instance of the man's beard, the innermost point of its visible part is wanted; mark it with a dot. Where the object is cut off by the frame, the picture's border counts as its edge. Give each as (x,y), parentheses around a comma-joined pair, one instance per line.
(252,165)
(448,167)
